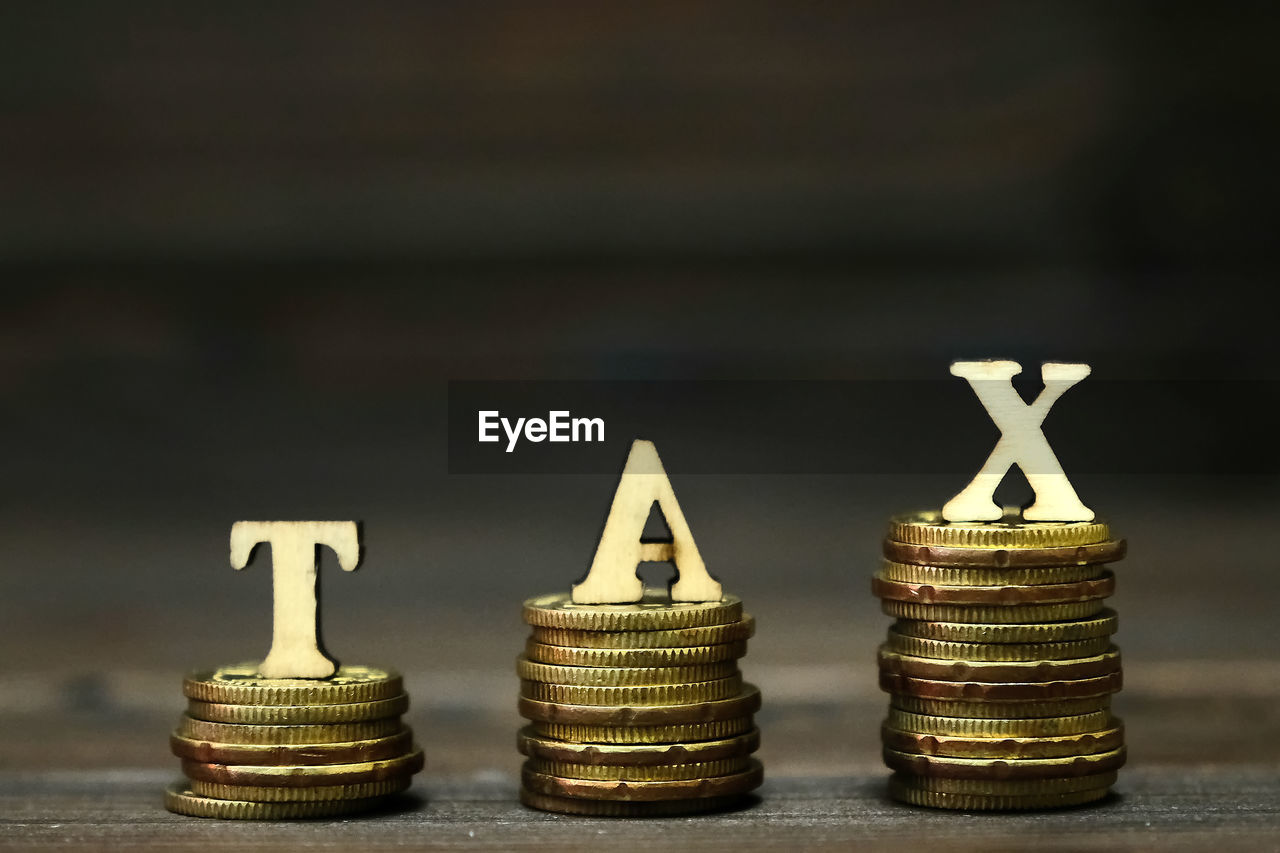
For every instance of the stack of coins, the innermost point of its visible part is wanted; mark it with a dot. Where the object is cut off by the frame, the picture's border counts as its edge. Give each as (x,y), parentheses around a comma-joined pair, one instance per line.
(1000,667)
(636,709)
(268,749)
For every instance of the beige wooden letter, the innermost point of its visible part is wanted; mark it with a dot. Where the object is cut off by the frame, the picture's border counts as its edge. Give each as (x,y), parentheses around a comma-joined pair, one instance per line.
(612,579)
(295,639)
(1021,443)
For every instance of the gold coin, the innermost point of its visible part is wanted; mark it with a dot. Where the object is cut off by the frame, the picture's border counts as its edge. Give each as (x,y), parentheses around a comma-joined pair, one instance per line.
(941,649)
(982,691)
(181,800)
(318,793)
(1010,787)
(231,733)
(910,573)
(655,612)
(1053,746)
(616,676)
(649,694)
(1011,531)
(1003,768)
(1014,613)
(710,635)
(632,735)
(678,656)
(241,685)
(996,728)
(596,789)
(980,802)
(1104,624)
(531,744)
(743,704)
(999,671)
(1002,558)
(1000,710)
(639,772)
(327,753)
(995,596)
(613,808)
(302,776)
(287,715)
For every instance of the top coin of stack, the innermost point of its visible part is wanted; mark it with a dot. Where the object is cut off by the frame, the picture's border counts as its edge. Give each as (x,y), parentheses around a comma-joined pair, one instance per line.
(636,709)
(272,748)
(1000,666)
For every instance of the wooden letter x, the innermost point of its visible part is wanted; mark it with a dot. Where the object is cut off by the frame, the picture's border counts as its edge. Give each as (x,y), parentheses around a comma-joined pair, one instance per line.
(1022,443)
(612,579)
(295,638)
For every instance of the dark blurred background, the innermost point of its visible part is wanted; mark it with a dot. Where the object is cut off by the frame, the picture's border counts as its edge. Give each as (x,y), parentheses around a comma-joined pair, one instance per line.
(247,246)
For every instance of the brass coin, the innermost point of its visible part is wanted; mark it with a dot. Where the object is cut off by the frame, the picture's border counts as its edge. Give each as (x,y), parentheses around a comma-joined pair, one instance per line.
(319,793)
(1020,613)
(911,573)
(981,691)
(300,776)
(677,656)
(655,612)
(650,694)
(640,772)
(328,753)
(944,650)
(997,596)
(608,676)
(980,802)
(1002,558)
(1011,531)
(613,808)
(1010,787)
(708,635)
(231,733)
(241,685)
(745,703)
(1000,710)
(996,728)
(535,746)
(993,671)
(1004,768)
(686,733)
(289,715)
(180,799)
(595,789)
(1055,746)
(1104,624)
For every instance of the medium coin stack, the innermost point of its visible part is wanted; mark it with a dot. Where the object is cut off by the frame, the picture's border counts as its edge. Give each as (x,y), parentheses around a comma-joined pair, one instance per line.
(270,748)
(1000,667)
(636,709)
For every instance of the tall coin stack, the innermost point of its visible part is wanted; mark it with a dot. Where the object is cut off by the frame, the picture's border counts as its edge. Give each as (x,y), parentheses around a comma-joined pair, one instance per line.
(636,709)
(1000,667)
(268,749)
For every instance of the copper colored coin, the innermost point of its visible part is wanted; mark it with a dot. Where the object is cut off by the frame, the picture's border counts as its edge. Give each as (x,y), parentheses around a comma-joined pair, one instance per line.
(534,746)
(1002,768)
(592,789)
(1001,671)
(1055,746)
(979,691)
(211,752)
(613,808)
(747,702)
(299,776)
(1003,558)
(1045,593)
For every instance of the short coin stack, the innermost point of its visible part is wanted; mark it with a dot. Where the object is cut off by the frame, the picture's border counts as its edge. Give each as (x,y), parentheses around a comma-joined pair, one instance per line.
(268,749)
(1000,666)
(636,709)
